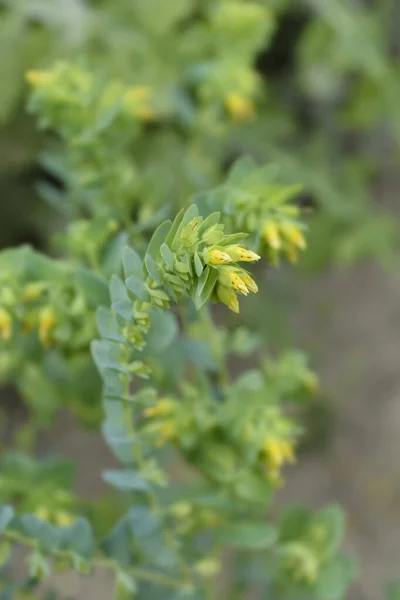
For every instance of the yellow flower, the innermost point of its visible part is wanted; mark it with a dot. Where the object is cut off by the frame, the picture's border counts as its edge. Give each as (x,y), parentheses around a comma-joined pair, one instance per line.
(292,254)
(271,234)
(238,284)
(138,101)
(163,408)
(294,235)
(47,321)
(278,451)
(242,254)
(234,305)
(167,432)
(36,78)
(217,257)
(5,325)
(228,297)
(249,283)
(33,291)
(42,512)
(208,567)
(63,518)
(239,107)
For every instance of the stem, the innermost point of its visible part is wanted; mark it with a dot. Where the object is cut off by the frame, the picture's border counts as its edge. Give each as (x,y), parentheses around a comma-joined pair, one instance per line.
(105,563)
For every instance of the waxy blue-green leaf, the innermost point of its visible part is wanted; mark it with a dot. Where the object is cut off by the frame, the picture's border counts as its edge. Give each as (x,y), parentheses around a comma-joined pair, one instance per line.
(126,480)
(158,238)
(138,288)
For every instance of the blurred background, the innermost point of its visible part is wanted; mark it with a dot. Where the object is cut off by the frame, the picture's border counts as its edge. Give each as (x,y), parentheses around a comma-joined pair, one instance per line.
(327,111)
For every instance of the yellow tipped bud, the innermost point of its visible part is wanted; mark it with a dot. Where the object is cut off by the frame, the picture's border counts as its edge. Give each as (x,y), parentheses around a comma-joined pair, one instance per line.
(63,518)
(238,284)
(42,512)
(35,78)
(271,234)
(138,101)
(167,432)
(294,235)
(239,107)
(5,325)
(33,291)
(245,255)
(292,254)
(249,283)
(47,320)
(162,409)
(278,452)
(234,305)
(217,257)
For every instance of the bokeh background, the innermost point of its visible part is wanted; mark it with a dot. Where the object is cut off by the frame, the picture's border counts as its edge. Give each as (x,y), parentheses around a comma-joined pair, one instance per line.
(327,110)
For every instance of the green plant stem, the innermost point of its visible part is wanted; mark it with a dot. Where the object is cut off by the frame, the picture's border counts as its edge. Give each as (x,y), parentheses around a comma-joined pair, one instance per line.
(102,562)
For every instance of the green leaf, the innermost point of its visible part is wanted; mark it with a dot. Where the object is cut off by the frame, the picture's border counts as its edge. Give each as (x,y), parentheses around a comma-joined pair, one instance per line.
(138,288)
(241,168)
(108,326)
(113,254)
(126,480)
(328,528)
(119,543)
(198,265)
(157,239)
(164,329)
(209,221)
(235,238)
(153,269)
(79,538)
(191,212)
(205,287)
(334,578)
(250,536)
(107,355)
(167,256)
(114,429)
(120,301)
(6,515)
(133,264)
(174,228)
(94,287)
(47,536)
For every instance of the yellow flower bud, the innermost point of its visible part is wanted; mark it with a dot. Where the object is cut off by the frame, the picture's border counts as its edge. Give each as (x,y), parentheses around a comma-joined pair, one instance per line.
(249,283)
(33,291)
(228,297)
(217,257)
(239,107)
(35,78)
(5,325)
(63,518)
(42,512)
(243,254)
(138,101)
(208,567)
(47,321)
(180,510)
(163,408)
(234,304)
(167,432)
(278,451)
(294,235)
(271,234)
(238,284)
